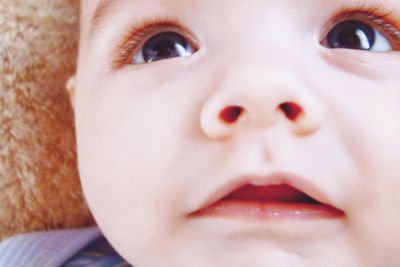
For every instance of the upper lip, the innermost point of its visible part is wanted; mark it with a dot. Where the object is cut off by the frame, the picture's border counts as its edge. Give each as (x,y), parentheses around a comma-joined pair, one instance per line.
(295,181)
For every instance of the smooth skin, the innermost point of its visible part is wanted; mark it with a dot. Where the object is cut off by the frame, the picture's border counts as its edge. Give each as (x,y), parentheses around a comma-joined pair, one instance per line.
(152,147)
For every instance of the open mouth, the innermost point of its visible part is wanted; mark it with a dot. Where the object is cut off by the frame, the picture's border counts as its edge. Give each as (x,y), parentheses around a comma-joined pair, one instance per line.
(276,201)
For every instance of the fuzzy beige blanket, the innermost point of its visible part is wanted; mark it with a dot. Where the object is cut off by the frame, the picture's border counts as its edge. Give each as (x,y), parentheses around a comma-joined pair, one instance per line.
(39,185)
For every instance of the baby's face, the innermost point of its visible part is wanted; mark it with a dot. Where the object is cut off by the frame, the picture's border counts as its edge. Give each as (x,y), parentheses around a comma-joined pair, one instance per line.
(242,133)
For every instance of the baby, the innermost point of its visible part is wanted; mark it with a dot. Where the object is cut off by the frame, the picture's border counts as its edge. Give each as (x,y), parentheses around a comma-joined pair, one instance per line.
(227,133)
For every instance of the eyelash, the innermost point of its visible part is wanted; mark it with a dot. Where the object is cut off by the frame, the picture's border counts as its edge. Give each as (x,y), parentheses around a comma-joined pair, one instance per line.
(377,16)
(137,36)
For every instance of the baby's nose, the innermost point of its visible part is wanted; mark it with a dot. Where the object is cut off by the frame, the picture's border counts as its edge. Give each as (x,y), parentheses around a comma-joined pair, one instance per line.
(247,101)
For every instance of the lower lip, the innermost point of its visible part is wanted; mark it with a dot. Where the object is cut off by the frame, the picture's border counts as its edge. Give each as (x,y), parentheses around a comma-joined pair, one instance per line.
(270,210)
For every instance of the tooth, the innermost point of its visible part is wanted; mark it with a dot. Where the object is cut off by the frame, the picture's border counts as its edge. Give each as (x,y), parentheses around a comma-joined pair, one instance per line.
(258,183)
(262,183)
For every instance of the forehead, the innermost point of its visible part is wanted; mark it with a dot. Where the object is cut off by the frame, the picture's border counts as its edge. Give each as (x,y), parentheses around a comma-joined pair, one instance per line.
(98,8)
(93,11)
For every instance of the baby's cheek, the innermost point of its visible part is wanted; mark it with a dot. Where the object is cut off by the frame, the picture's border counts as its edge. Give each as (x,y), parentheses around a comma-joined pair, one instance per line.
(373,222)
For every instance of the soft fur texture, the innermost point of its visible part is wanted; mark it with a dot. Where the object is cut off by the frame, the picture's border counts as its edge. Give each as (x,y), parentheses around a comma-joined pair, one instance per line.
(39,184)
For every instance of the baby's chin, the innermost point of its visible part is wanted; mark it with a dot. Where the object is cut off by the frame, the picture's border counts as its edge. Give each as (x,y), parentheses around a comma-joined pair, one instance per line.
(262,257)
(238,252)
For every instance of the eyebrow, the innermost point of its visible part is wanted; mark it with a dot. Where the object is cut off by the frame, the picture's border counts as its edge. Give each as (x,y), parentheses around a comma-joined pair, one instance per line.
(102,9)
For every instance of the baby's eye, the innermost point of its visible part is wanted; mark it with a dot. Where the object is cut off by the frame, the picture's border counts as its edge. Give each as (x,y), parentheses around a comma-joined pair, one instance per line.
(163,46)
(359,35)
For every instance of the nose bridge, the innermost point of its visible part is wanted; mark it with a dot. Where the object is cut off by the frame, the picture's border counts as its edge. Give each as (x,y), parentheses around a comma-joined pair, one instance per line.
(258,96)
(263,33)
(263,79)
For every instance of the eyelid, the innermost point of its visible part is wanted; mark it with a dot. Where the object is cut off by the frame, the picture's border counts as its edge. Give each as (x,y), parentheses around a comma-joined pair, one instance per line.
(141,33)
(376,16)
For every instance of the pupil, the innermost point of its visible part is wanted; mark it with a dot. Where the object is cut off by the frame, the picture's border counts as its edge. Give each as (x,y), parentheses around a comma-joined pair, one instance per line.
(164,45)
(352,35)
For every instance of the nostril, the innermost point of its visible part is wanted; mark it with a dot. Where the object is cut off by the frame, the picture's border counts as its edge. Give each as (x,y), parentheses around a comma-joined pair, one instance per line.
(231,114)
(291,110)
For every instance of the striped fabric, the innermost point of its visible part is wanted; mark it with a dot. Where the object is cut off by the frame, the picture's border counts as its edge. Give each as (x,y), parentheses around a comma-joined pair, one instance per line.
(45,249)
(99,253)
